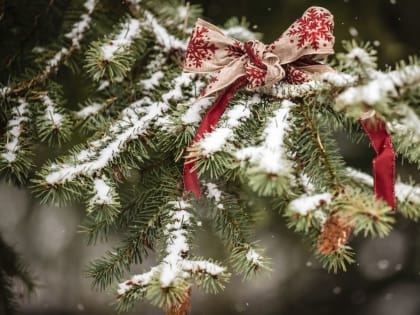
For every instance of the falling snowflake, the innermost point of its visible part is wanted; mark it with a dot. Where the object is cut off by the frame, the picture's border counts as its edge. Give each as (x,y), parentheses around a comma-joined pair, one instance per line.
(199,48)
(315,25)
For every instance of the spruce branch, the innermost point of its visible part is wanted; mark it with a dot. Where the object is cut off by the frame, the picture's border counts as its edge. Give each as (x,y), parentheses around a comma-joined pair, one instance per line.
(75,35)
(168,283)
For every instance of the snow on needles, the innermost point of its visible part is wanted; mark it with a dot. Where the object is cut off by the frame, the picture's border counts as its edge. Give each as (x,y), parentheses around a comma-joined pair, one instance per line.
(215,141)
(90,110)
(304,204)
(103,192)
(51,112)
(166,40)
(270,156)
(134,121)
(403,192)
(14,130)
(76,35)
(122,40)
(174,266)
(380,88)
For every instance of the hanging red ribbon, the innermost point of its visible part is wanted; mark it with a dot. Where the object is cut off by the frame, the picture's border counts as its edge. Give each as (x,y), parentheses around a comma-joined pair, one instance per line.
(384,163)
(211,118)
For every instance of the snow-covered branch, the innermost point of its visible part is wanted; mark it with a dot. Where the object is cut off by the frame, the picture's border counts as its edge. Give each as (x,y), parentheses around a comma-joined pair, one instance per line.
(232,119)
(122,40)
(403,192)
(175,265)
(75,35)
(270,156)
(135,121)
(20,115)
(163,37)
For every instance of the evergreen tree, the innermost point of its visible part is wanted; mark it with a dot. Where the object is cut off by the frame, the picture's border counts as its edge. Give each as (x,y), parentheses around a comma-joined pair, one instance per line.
(106,96)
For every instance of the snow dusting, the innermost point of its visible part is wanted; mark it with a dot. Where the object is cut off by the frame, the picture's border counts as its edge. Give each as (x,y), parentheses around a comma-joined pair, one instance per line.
(305,204)
(90,110)
(20,114)
(174,266)
(135,121)
(166,40)
(122,40)
(403,192)
(51,112)
(153,81)
(103,192)
(76,35)
(270,156)
(253,257)
(192,115)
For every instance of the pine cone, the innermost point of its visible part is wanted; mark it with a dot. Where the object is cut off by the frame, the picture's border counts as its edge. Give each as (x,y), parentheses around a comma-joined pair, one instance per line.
(334,235)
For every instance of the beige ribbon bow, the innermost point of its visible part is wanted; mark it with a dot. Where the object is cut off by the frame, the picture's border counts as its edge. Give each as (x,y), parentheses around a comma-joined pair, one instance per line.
(291,57)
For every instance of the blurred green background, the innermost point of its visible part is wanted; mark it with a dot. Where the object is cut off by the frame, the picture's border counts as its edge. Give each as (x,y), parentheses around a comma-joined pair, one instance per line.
(386,278)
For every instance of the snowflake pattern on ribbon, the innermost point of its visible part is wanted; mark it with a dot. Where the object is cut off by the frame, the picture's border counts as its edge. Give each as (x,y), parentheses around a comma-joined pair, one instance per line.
(199,47)
(315,25)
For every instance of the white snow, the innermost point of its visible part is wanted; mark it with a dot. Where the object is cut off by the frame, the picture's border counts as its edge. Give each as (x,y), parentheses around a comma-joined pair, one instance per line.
(182,12)
(338,79)
(51,112)
(103,85)
(270,156)
(403,192)
(360,176)
(215,140)
(166,40)
(305,204)
(192,115)
(54,61)
(103,191)
(286,90)
(14,130)
(407,192)
(361,56)
(4,91)
(173,266)
(130,30)
(76,35)
(89,110)
(90,5)
(381,87)
(254,257)
(78,29)
(239,32)
(175,93)
(153,81)
(135,121)
(213,192)
(236,115)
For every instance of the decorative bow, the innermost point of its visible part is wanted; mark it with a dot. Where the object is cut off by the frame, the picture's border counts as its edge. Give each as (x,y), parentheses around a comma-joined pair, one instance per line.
(290,57)
(233,65)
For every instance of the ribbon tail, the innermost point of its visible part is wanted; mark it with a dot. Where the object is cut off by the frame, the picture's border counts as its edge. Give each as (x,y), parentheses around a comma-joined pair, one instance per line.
(384,163)
(191,182)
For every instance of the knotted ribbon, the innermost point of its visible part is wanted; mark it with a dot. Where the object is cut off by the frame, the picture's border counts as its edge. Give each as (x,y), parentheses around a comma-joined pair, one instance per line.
(292,57)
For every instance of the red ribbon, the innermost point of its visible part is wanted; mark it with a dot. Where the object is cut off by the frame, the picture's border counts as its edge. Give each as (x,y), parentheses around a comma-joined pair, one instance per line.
(384,163)
(211,118)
